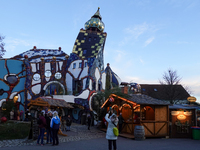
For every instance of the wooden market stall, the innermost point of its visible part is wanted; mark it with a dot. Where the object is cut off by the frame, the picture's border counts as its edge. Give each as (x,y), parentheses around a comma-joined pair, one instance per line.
(138,109)
(182,118)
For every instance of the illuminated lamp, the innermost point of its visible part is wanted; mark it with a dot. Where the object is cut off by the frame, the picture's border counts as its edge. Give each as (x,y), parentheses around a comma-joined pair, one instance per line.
(191,99)
(174,113)
(181,117)
(15,99)
(189,113)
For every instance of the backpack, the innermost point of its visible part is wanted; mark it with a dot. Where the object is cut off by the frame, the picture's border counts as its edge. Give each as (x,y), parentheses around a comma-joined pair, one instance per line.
(39,121)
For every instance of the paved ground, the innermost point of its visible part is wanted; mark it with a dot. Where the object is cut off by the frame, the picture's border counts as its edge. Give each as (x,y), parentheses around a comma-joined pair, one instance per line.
(79,138)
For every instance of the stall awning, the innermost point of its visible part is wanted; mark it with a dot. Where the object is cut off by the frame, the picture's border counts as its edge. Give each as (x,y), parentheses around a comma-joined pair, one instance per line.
(182,106)
(43,101)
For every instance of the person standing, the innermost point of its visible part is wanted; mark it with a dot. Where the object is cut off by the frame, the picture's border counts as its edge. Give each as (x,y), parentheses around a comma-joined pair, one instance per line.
(48,129)
(12,115)
(112,122)
(55,124)
(121,121)
(21,115)
(68,122)
(42,125)
(89,120)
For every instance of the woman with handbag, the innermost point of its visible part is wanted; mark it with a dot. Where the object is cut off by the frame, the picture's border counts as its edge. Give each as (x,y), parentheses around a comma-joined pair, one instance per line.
(112,123)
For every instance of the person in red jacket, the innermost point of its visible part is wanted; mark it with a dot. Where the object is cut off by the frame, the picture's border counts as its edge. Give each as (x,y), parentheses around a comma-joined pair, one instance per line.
(42,126)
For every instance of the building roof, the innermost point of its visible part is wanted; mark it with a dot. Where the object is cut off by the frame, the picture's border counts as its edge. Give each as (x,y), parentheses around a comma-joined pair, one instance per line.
(56,102)
(136,99)
(34,55)
(144,99)
(115,80)
(44,101)
(162,92)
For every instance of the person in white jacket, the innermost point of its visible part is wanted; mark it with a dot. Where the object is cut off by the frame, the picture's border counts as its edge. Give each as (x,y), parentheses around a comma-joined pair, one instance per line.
(109,133)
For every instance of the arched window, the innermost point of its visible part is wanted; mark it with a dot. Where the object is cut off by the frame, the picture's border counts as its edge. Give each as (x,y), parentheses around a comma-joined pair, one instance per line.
(148,113)
(54,89)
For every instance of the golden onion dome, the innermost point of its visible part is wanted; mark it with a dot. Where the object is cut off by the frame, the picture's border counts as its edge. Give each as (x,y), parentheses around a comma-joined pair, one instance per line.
(95,22)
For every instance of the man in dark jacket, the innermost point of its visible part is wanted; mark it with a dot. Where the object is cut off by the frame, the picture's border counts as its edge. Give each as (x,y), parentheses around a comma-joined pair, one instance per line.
(68,122)
(121,121)
(42,125)
(48,129)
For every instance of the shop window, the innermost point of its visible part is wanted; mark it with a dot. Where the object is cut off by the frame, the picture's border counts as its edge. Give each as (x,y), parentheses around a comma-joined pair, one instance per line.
(54,89)
(94,85)
(116,109)
(77,87)
(12,79)
(99,87)
(47,73)
(126,112)
(58,75)
(1,91)
(80,64)
(85,64)
(148,113)
(36,77)
(74,65)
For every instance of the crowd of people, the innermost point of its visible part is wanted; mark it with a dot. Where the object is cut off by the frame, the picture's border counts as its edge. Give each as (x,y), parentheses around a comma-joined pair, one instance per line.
(51,123)
(16,115)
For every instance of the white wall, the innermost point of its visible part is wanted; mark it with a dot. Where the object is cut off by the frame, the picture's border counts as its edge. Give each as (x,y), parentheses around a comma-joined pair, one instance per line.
(70,98)
(97,76)
(69,80)
(103,81)
(77,70)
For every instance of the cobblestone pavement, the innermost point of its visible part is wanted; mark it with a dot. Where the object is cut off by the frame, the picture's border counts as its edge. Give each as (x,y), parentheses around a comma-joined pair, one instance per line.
(77,133)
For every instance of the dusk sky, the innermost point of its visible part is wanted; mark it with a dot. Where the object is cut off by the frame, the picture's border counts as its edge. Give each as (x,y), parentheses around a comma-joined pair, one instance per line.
(144,37)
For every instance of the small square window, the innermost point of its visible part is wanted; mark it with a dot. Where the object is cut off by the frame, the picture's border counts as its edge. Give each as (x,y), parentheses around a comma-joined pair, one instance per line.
(85,64)
(74,65)
(80,65)
(84,51)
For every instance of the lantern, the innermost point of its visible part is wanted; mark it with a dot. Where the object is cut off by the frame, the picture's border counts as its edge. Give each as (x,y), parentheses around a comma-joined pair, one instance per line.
(181,117)
(111,99)
(15,99)
(3,119)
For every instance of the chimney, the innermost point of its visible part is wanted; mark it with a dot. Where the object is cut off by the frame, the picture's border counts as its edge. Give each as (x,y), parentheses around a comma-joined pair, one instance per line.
(59,48)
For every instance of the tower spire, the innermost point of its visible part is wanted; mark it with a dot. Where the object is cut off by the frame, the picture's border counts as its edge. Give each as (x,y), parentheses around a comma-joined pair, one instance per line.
(95,22)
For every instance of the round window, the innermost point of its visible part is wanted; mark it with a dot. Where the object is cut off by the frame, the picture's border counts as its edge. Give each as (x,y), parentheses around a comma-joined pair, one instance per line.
(47,73)
(36,77)
(58,75)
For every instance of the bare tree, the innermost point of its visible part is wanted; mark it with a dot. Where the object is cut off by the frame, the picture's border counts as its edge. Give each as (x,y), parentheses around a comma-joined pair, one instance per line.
(170,78)
(172,89)
(2,44)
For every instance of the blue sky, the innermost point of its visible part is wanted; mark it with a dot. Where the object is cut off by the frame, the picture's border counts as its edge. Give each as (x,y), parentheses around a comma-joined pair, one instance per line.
(145,37)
